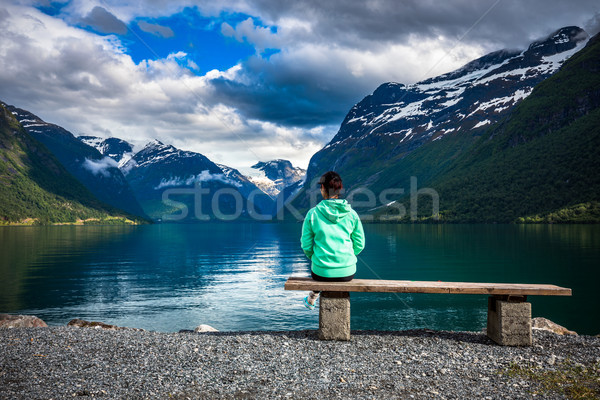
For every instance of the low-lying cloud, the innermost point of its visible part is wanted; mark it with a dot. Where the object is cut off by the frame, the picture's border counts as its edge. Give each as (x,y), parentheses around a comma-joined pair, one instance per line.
(203,176)
(101,166)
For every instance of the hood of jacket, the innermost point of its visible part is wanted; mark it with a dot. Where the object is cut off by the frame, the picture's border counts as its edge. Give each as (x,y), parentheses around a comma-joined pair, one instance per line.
(334,210)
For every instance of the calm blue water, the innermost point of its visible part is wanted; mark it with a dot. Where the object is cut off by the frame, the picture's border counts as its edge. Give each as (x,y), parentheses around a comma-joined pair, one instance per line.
(231,276)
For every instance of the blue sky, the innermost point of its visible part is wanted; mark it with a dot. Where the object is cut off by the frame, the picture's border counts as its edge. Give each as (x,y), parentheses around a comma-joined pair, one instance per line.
(187,31)
(245,81)
(198,36)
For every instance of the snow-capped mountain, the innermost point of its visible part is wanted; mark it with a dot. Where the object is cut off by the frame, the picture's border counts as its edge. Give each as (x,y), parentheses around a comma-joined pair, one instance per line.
(276,175)
(156,152)
(115,148)
(99,174)
(397,119)
(159,167)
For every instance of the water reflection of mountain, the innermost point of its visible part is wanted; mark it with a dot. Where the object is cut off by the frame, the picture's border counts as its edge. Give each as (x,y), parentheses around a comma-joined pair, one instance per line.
(31,258)
(169,277)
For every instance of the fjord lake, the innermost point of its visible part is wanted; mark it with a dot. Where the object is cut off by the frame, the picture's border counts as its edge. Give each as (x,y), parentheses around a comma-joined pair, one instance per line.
(168,277)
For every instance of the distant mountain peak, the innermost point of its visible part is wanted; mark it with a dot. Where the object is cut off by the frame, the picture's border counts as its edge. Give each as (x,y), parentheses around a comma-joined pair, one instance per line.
(278,174)
(115,148)
(559,41)
(157,145)
(158,167)
(155,142)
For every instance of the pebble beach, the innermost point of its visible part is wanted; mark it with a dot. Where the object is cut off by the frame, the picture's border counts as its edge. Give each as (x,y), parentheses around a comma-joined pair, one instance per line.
(72,362)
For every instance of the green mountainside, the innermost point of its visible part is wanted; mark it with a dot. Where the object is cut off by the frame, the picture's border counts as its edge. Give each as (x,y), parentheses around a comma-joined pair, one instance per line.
(540,164)
(36,188)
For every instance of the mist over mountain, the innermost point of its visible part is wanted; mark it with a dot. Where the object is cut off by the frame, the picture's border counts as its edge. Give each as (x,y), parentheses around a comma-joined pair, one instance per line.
(115,148)
(177,185)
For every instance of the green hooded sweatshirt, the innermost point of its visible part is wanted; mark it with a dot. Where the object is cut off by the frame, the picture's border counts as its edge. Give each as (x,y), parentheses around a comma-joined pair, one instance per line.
(332,236)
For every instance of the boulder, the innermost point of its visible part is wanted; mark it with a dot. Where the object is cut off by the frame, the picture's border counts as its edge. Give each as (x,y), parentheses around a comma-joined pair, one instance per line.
(547,325)
(80,323)
(205,328)
(97,325)
(21,321)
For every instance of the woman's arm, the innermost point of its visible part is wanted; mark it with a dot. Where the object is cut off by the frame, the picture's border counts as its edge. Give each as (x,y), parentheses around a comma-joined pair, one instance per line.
(358,237)
(307,241)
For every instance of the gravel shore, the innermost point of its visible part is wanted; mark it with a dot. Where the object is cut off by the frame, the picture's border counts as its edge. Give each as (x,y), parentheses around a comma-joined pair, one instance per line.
(67,362)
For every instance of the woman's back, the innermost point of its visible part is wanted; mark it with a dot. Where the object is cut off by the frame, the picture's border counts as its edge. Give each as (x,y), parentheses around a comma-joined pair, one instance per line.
(332,236)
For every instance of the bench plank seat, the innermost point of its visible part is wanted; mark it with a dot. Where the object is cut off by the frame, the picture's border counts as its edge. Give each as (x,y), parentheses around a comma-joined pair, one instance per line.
(388,286)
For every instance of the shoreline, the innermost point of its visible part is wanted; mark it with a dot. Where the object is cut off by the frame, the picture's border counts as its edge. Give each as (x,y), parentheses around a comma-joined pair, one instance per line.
(67,361)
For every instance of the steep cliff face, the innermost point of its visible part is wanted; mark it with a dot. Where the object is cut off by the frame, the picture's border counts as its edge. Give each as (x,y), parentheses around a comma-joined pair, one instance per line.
(397,119)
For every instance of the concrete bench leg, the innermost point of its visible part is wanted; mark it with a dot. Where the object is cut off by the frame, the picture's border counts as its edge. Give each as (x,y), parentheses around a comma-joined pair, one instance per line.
(509,320)
(334,316)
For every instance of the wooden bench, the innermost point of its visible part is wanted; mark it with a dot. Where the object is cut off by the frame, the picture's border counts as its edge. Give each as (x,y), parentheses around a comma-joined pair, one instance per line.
(509,313)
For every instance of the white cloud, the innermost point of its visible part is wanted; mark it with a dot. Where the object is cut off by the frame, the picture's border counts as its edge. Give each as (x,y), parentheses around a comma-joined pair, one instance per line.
(286,105)
(203,176)
(100,167)
(261,37)
(87,84)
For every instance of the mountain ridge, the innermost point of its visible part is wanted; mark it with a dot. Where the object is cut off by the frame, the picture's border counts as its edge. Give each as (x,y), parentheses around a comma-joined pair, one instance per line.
(420,130)
(396,119)
(95,171)
(158,170)
(35,188)
(549,147)
(451,132)
(278,174)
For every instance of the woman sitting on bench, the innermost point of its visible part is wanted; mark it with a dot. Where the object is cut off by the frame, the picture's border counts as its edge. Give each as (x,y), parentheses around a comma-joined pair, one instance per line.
(332,236)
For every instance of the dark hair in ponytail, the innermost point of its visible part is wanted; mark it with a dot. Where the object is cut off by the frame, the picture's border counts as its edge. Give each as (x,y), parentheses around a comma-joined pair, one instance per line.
(332,182)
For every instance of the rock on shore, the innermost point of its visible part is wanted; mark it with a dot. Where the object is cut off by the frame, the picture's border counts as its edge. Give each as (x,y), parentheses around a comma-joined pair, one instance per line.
(204,328)
(63,362)
(81,323)
(547,325)
(21,321)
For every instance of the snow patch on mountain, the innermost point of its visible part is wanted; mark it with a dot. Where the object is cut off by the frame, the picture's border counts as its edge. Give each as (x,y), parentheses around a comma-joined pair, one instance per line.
(117,149)
(265,184)
(396,119)
(274,176)
(482,123)
(507,77)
